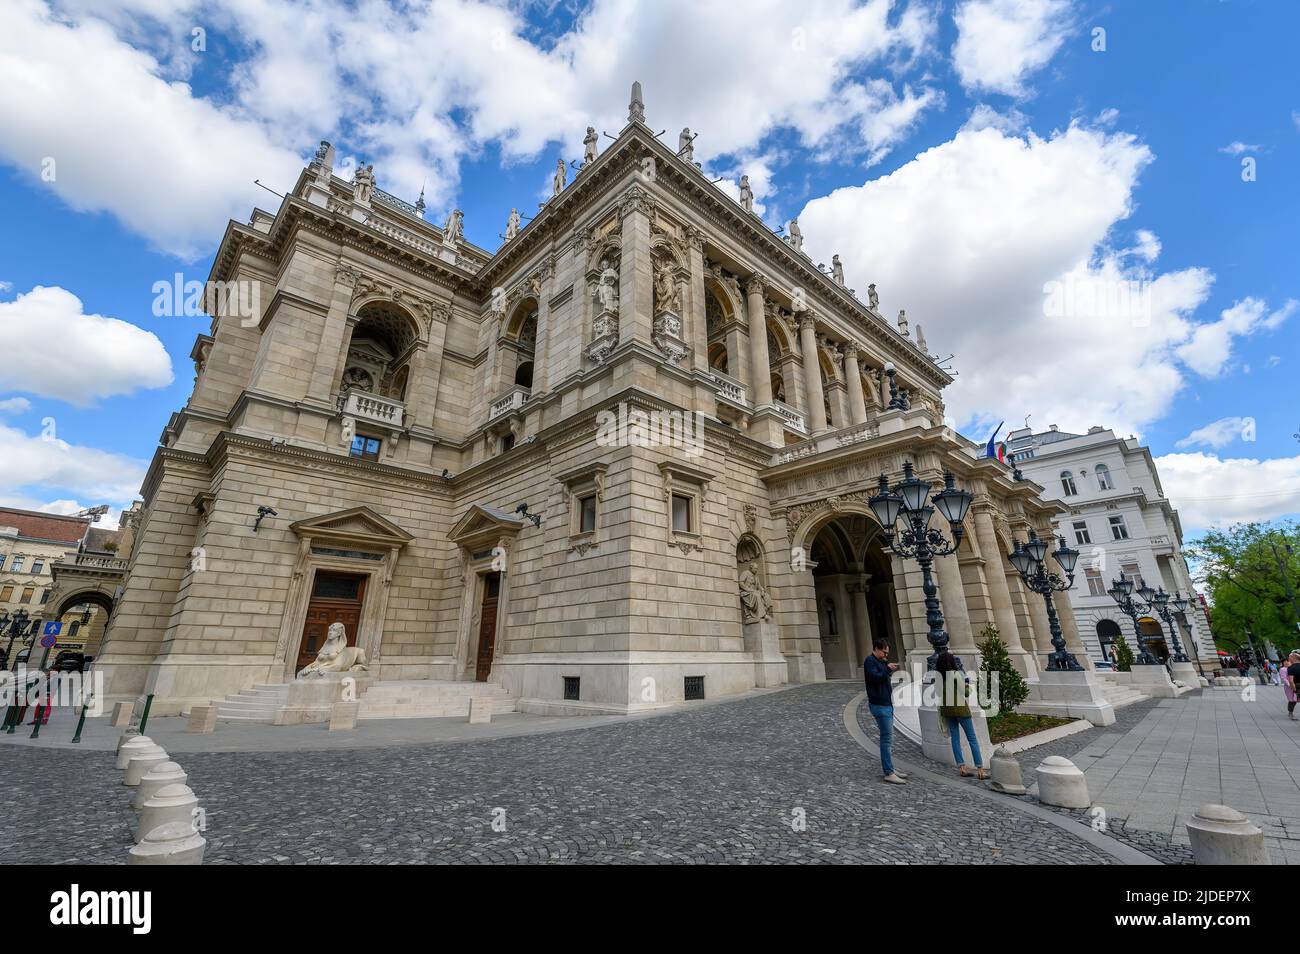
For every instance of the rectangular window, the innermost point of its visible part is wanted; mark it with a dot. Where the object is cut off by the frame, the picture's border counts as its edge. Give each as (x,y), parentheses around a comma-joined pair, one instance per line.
(6,594)
(366,448)
(18,564)
(572,688)
(1117,528)
(1096,586)
(37,566)
(587,516)
(693,688)
(1131,572)
(3,557)
(1081,534)
(27,594)
(45,597)
(682,514)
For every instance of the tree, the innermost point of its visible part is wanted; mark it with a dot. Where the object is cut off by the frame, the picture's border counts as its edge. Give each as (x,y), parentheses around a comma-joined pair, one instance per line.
(1012,688)
(1123,654)
(1249,573)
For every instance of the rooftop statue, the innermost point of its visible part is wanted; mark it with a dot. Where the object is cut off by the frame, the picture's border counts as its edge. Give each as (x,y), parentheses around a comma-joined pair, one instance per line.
(746,194)
(589,146)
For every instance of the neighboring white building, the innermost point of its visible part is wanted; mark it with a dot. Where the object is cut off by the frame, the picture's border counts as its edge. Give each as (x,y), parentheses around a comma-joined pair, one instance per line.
(1120,520)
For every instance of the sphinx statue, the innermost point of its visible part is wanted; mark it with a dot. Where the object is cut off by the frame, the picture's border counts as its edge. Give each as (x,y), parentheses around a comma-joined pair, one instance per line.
(336,655)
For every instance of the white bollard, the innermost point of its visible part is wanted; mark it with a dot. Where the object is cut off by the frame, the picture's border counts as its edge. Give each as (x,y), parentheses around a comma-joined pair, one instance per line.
(158,777)
(1061,783)
(124,738)
(130,747)
(1005,770)
(176,843)
(141,762)
(171,803)
(1224,836)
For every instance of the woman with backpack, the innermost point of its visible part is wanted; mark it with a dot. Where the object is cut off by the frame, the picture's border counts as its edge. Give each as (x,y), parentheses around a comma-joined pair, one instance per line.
(956,712)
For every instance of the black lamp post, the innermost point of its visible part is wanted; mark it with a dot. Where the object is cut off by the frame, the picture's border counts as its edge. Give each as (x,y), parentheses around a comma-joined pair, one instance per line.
(1121,591)
(917,540)
(17,627)
(1160,601)
(1030,560)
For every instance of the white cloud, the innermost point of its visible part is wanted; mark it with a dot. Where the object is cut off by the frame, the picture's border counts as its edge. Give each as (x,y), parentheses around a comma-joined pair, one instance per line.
(1001,42)
(33,461)
(969,235)
(1238,148)
(1210,491)
(6,287)
(1220,433)
(97,357)
(1210,347)
(1148,247)
(16,405)
(418,88)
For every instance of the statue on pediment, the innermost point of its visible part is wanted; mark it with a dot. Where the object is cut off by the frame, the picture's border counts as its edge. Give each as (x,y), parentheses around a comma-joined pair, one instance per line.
(561,177)
(873,299)
(453,230)
(686,145)
(512,225)
(746,194)
(363,184)
(589,146)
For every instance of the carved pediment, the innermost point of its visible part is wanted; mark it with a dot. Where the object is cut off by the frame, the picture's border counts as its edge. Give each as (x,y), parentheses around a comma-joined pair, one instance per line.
(484,523)
(359,525)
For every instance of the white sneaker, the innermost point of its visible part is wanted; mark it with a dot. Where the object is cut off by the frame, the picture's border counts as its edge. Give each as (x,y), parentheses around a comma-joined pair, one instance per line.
(894,779)
(901,774)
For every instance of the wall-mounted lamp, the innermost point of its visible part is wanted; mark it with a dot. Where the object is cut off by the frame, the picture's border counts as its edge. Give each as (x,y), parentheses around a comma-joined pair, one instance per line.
(263,511)
(522,510)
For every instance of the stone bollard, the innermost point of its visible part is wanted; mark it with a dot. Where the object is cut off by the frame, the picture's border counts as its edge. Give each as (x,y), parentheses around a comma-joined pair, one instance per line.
(343,716)
(121,714)
(141,762)
(1224,836)
(1005,770)
(126,736)
(158,777)
(203,719)
(129,748)
(1061,783)
(480,710)
(176,843)
(171,803)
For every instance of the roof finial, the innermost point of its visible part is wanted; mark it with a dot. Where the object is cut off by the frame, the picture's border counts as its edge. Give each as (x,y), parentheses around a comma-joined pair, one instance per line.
(636,108)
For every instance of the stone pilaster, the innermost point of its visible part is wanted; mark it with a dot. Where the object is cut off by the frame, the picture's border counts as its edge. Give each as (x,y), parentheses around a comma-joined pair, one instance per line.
(334,337)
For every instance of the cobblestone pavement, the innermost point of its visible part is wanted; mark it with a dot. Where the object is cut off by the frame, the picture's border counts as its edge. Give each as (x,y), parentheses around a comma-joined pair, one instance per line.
(726,783)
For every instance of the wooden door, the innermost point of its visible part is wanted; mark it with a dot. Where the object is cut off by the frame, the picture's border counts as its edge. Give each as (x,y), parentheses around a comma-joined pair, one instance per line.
(335,598)
(487,626)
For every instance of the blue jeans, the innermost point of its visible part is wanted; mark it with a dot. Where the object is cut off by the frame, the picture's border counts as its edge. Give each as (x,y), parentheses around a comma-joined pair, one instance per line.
(885,722)
(967,724)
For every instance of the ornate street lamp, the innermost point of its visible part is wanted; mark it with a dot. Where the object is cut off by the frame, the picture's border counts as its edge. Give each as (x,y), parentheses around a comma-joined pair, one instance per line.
(1121,591)
(917,540)
(1160,602)
(1030,560)
(17,627)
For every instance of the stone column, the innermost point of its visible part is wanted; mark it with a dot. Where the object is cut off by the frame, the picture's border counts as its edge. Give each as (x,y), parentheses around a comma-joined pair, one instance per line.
(858,594)
(759,363)
(334,337)
(857,397)
(1042,627)
(952,601)
(1004,615)
(1070,630)
(812,375)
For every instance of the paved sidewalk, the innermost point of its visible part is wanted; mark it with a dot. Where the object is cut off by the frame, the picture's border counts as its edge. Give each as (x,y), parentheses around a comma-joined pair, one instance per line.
(1213,747)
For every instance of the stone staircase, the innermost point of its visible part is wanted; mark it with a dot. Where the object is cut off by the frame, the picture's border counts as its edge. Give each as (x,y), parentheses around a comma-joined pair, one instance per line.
(1116,694)
(422,699)
(258,704)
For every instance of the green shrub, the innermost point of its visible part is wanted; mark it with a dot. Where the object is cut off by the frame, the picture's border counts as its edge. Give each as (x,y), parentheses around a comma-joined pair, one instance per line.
(1012,688)
(1123,654)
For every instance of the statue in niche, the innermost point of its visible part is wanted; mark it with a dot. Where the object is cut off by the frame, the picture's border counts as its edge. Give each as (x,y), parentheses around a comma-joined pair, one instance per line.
(746,194)
(872,298)
(453,230)
(607,288)
(349,431)
(363,183)
(666,298)
(589,146)
(512,225)
(686,145)
(754,598)
(336,655)
(561,177)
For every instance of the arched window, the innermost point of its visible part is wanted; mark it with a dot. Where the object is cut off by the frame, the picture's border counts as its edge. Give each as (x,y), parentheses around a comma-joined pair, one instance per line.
(1067,484)
(1103,478)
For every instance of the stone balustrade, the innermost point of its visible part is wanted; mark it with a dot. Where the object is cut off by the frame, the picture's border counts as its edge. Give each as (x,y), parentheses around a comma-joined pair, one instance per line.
(371,407)
(792,418)
(512,400)
(729,388)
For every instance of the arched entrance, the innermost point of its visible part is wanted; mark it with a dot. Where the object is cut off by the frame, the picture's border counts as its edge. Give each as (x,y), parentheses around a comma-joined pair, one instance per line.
(1107,632)
(84,617)
(854,585)
(1154,638)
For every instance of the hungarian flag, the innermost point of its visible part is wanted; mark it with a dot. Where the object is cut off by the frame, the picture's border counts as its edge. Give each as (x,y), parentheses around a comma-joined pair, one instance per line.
(996,448)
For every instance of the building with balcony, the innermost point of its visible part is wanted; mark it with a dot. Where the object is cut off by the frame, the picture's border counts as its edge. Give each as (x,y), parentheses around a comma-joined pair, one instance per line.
(1120,520)
(622,461)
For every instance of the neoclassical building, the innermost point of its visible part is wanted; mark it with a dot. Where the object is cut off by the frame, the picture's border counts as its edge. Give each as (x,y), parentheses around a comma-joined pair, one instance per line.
(622,461)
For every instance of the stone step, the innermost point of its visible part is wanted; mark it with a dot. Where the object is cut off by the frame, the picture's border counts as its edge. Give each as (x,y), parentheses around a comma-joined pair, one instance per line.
(431,700)
(256,704)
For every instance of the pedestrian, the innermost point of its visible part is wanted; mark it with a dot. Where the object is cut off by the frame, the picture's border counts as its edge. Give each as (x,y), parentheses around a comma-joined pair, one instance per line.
(1276,674)
(880,700)
(955,711)
(1289,681)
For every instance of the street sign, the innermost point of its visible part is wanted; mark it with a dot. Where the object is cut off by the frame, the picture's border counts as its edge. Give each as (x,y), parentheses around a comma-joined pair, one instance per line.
(52,628)
(48,641)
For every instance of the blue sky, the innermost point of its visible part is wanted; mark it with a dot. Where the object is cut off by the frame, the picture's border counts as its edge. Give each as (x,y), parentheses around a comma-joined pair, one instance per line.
(966,156)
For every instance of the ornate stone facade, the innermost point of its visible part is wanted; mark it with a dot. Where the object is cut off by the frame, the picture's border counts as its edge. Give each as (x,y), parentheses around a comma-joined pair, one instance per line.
(622,460)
